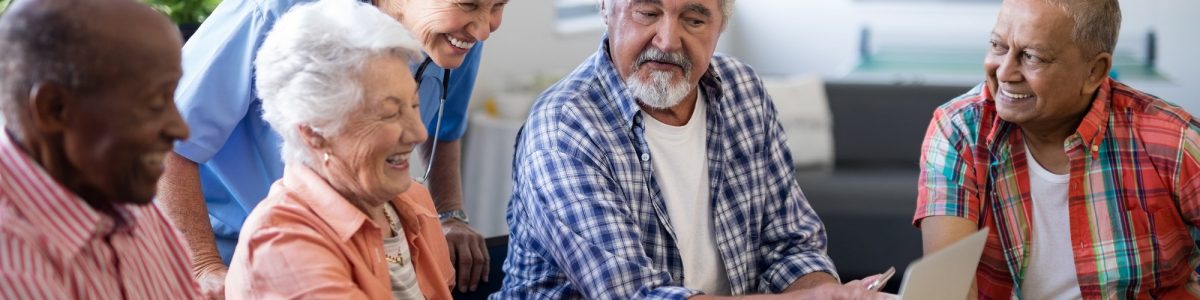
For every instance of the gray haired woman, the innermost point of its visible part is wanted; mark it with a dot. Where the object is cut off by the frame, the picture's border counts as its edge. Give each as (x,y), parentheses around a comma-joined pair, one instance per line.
(346,220)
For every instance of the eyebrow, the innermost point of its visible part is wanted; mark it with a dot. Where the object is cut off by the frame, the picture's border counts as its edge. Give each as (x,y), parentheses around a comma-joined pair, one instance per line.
(1035,47)
(698,8)
(690,7)
(392,99)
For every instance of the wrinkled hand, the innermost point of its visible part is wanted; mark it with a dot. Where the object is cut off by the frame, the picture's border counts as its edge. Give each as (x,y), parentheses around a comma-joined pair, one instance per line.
(212,283)
(468,253)
(855,290)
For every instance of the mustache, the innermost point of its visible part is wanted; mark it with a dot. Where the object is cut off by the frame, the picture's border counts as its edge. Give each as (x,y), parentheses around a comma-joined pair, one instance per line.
(674,58)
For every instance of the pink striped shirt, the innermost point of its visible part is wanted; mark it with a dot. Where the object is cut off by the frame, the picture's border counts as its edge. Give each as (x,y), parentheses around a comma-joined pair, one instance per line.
(53,245)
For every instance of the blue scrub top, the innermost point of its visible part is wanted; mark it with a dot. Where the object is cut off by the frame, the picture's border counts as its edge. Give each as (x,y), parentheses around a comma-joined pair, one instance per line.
(237,150)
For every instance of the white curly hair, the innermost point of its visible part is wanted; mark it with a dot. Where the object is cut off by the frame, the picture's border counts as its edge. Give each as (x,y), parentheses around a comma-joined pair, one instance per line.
(307,71)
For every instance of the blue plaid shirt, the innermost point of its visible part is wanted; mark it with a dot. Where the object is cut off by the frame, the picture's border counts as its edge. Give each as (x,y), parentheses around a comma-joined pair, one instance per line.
(587,218)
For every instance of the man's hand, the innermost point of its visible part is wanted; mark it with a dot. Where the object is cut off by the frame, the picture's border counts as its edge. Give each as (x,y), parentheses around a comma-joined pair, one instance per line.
(212,282)
(817,285)
(856,289)
(468,253)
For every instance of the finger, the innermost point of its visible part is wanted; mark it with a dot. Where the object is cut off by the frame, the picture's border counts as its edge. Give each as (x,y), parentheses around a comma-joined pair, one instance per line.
(478,262)
(852,292)
(453,259)
(464,265)
(868,283)
(487,261)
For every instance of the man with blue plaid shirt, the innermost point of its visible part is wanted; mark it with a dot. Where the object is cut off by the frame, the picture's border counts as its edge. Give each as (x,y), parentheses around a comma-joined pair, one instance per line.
(658,170)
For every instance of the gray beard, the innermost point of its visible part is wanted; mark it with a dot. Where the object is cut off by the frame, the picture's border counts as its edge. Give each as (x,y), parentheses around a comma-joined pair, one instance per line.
(659,92)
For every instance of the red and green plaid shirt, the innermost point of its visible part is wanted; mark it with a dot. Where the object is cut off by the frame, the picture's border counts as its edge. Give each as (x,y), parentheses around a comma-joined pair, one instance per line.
(1134,193)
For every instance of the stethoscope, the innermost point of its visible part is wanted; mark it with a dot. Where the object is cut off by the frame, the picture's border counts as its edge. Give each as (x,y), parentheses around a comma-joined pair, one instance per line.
(437,125)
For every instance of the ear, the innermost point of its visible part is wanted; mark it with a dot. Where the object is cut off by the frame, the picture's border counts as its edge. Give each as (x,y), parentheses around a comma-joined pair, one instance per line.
(604,11)
(1100,64)
(48,107)
(312,138)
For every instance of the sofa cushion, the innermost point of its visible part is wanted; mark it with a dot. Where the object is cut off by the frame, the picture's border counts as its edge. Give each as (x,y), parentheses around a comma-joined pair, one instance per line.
(879,125)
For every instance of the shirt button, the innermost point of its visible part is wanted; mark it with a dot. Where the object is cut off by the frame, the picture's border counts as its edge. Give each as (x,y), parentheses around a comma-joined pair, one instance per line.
(1095,148)
(645,157)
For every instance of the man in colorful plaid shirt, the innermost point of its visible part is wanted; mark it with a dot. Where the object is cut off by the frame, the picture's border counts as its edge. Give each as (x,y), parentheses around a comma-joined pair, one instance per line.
(1091,186)
(658,170)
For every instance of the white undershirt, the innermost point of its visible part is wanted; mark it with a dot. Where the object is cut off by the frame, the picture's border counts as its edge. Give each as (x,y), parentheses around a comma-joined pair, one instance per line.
(680,159)
(404,278)
(1050,267)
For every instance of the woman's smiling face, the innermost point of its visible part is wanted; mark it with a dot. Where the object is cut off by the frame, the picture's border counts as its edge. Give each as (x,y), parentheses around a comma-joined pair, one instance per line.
(447,29)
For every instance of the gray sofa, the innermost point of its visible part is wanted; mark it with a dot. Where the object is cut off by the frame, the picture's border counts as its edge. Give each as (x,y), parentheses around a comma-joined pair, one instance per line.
(868,197)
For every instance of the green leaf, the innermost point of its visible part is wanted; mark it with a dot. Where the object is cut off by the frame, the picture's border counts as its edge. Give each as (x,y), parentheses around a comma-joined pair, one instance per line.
(183,11)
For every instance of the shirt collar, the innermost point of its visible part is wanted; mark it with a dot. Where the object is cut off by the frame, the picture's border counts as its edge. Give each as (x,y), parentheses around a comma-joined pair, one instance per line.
(306,186)
(410,211)
(625,103)
(1095,122)
(66,219)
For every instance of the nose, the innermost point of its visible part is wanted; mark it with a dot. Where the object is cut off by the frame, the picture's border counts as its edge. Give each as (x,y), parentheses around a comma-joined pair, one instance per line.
(666,36)
(175,129)
(481,27)
(415,132)
(1009,68)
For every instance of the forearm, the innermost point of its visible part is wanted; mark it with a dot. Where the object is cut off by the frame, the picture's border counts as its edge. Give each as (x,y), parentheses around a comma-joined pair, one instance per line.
(938,232)
(180,197)
(807,281)
(811,280)
(445,180)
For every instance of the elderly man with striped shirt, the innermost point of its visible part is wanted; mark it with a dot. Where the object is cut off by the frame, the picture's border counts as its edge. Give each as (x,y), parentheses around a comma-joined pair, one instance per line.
(1092,187)
(85,89)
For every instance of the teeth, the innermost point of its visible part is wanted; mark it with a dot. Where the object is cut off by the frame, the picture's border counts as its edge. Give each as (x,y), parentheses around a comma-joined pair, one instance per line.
(1015,96)
(155,159)
(459,43)
(396,159)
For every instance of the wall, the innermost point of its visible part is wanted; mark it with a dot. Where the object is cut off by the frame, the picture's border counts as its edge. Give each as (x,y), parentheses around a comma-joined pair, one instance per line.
(527,47)
(1176,23)
(822,36)
(782,37)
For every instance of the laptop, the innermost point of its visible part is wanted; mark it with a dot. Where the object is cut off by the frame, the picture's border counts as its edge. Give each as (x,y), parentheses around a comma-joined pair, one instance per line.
(946,274)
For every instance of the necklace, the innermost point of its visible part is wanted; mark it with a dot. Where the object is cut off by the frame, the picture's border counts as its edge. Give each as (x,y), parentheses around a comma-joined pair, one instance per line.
(397,258)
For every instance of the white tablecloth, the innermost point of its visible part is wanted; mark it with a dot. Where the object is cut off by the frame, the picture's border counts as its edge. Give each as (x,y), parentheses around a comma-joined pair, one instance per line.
(487,172)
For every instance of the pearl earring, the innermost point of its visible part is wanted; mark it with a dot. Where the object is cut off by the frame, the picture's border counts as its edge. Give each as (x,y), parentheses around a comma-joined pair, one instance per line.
(325,158)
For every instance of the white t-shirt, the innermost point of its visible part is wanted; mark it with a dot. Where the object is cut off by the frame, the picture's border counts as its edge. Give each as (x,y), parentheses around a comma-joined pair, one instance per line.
(1050,269)
(680,159)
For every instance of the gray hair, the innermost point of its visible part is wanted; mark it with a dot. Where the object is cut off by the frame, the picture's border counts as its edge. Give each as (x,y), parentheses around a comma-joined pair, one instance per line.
(726,10)
(44,41)
(307,71)
(1097,23)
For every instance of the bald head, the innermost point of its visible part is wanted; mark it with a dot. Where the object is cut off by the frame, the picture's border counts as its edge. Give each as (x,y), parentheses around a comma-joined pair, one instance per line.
(78,44)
